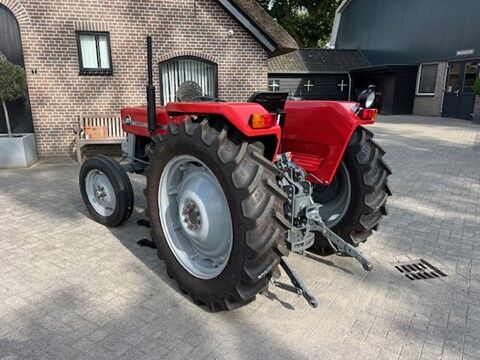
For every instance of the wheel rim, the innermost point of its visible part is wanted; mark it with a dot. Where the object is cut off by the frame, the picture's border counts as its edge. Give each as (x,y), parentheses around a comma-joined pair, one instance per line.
(195,216)
(334,198)
(100,192)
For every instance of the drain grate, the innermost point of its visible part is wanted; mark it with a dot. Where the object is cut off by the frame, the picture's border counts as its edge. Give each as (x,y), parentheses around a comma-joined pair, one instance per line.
(419,270)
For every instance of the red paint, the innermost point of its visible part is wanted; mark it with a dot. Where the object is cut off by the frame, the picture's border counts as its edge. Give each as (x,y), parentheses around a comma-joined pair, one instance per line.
(317,134)
(238,114)
(139,115)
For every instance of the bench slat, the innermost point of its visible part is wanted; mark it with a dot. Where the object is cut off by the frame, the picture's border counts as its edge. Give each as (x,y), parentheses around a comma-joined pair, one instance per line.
(114,133)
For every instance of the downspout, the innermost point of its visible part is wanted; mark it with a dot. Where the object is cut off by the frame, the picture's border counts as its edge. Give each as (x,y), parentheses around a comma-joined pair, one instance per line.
(349,87)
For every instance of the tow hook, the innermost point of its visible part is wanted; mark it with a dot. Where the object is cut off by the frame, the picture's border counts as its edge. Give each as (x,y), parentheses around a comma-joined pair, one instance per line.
(298,283)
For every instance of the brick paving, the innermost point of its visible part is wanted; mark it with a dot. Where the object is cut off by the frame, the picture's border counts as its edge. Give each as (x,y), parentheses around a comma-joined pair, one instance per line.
(73,289)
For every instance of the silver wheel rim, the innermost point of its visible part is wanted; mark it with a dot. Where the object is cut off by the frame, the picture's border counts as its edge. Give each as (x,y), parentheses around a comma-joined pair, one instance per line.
(195,216)
(100,192)
(334,209)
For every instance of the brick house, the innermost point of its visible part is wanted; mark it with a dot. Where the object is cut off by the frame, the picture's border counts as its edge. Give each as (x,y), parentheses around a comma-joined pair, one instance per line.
(89,56)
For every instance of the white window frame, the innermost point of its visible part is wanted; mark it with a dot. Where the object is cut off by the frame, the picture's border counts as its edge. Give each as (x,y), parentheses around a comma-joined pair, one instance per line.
(419,75)
(273,81)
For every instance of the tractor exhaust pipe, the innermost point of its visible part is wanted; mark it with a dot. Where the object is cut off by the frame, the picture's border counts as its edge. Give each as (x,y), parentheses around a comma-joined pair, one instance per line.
(151,102)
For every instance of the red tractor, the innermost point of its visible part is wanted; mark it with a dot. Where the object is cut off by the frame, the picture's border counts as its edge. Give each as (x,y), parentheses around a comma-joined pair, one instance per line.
(233,187)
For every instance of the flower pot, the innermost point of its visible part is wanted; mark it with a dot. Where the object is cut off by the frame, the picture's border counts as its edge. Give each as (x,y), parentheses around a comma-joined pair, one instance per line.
(17,151)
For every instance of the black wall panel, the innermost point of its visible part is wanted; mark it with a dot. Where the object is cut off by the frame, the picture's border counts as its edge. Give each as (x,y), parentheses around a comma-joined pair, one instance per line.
(325,86)
(410,31)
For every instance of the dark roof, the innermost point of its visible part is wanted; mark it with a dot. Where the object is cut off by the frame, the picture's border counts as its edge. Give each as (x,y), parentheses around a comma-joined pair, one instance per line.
(274,38)
(317,61)
(385,68)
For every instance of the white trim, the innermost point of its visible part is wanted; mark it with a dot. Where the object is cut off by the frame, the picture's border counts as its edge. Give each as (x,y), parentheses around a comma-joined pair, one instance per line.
(336,22)
(419,73)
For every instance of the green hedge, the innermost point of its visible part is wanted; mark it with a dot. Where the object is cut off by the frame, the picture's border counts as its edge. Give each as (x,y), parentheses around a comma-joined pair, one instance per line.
(12,81)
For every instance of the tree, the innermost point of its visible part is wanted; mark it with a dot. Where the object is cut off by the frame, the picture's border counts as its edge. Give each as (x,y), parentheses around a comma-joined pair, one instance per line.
(308,21)
(13,85)
(476,87)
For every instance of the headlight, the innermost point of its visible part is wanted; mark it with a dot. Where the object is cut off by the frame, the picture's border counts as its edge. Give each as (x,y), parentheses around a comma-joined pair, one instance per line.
(367,97)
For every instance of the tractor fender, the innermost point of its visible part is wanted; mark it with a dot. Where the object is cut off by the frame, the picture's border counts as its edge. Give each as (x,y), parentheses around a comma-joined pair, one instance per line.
(317,133)
(237,115)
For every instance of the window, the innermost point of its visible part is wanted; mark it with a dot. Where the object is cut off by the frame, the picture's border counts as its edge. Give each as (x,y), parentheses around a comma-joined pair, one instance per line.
(273,85)
(471,75)
(427,79)
(94,54)
(175,72)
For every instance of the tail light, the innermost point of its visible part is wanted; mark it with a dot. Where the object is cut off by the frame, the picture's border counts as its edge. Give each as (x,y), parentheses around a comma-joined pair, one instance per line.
(263,121)
(368,114)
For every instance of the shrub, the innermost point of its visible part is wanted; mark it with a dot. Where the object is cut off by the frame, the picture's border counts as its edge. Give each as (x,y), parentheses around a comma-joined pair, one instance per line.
(476,87)
(13,85)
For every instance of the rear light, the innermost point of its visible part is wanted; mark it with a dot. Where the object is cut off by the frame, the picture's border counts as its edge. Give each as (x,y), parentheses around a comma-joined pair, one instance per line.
(368,114)
(263,121)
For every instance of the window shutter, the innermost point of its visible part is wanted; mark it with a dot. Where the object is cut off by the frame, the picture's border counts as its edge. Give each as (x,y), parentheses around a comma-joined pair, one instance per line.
(177,71)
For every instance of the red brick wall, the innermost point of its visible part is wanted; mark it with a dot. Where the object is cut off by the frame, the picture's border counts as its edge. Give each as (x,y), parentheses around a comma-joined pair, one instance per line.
(58,95)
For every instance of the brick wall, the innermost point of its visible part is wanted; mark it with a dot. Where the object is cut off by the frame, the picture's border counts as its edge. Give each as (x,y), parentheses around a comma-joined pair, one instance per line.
(58,94)
(432,105)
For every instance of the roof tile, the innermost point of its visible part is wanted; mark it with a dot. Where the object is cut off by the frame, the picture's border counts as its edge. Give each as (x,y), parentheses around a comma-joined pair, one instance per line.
(317,61)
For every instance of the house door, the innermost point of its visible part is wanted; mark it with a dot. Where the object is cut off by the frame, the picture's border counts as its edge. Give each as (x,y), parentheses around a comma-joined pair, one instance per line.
(459,99)
(11,48)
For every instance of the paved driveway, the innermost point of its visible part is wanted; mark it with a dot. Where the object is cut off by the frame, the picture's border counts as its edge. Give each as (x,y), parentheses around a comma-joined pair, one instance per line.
(70,288)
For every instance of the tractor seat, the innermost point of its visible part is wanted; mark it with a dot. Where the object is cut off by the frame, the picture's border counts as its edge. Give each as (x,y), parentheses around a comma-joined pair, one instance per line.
(272,101)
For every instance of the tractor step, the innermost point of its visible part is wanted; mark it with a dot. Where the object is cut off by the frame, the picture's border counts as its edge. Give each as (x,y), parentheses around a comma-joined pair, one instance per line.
(146,242)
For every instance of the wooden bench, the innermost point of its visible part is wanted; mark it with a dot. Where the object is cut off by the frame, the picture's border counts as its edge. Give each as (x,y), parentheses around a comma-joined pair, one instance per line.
(98,130)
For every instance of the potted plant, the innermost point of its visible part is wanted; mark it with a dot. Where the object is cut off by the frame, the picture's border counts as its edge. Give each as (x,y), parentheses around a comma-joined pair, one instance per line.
(476,111)
(16,150)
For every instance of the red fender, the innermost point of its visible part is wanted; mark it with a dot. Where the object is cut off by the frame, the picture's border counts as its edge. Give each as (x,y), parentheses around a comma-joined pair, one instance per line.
(238,114)
(134,119)
(317,134)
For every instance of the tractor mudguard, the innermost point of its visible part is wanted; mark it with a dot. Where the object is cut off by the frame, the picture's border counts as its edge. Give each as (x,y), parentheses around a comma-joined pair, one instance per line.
(134,119)
(317,134)
(237,114)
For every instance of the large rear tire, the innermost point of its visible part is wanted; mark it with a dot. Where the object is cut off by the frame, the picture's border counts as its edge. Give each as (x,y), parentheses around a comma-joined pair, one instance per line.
(239,211)
(364,174)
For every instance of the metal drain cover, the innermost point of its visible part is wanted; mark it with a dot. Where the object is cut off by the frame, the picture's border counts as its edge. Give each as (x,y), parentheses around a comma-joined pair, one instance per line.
(419,270)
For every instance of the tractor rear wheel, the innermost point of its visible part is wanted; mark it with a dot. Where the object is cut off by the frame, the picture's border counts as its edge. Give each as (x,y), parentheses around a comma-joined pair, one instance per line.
(356,200)
(215,213)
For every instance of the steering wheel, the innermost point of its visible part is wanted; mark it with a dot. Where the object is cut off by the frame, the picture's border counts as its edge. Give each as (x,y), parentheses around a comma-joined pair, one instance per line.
(206,98)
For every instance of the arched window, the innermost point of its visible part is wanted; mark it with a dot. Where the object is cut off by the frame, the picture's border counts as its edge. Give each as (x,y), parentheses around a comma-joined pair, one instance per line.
(176,71)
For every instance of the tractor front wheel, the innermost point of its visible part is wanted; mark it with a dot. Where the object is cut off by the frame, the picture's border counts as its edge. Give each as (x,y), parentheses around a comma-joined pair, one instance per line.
(106,191)
(356,200)
(215,213)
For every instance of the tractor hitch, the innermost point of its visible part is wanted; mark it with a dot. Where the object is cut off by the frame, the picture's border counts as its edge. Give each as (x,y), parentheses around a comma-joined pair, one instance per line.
(336,242)
(298,283)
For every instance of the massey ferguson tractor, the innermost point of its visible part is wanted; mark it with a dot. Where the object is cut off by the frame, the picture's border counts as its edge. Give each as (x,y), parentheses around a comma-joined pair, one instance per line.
(232,188)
